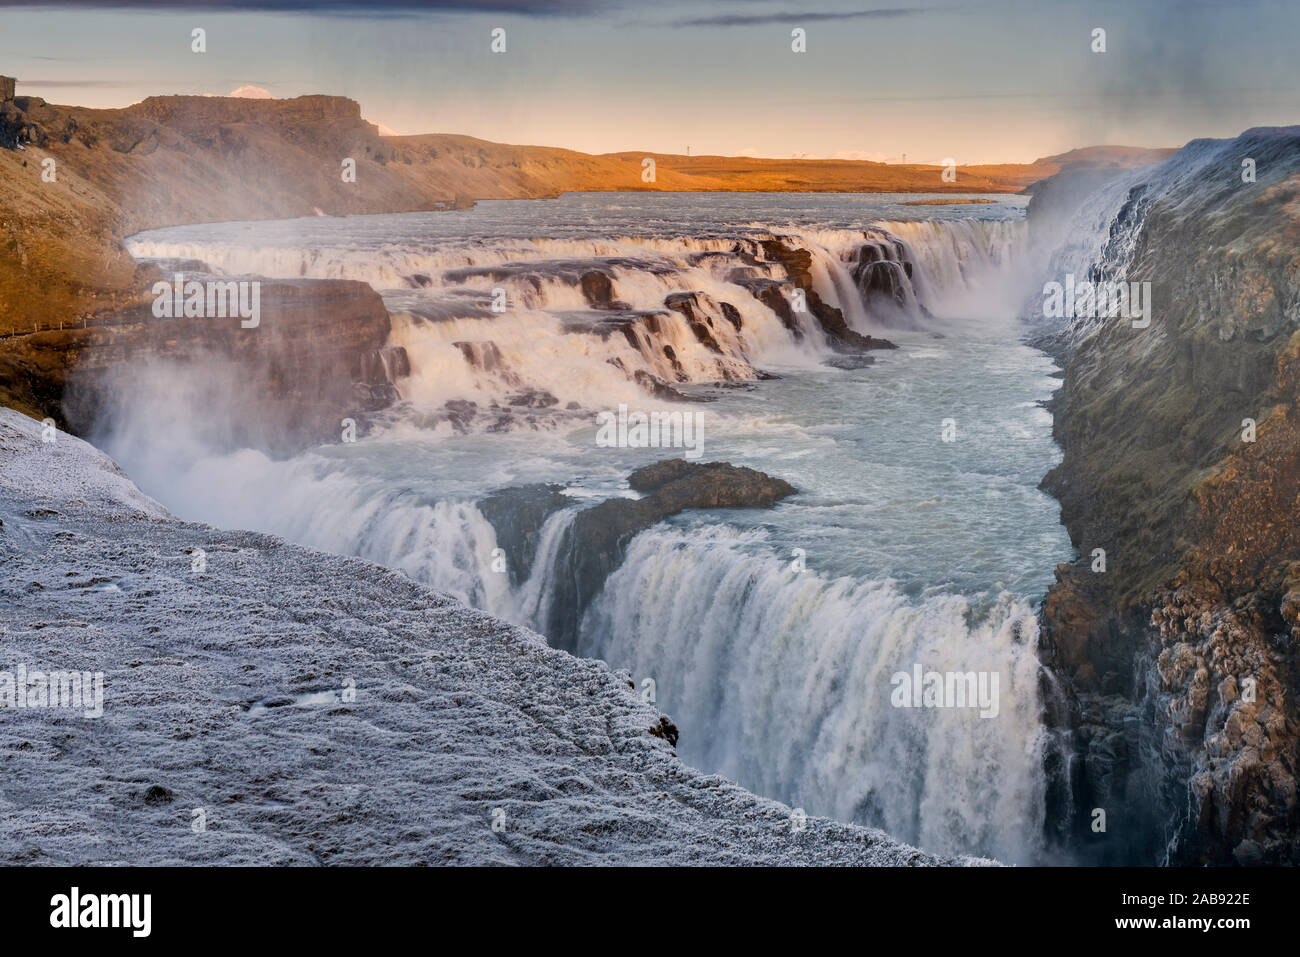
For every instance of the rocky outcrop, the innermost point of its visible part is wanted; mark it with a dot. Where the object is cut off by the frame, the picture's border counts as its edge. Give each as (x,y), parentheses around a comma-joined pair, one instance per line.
(517,514)
(699,309)
(882,271)
(675,484)
(598,289)
(771,293)
(316,356)
(798,266)
(1181,445)
(594,544)
(16,129)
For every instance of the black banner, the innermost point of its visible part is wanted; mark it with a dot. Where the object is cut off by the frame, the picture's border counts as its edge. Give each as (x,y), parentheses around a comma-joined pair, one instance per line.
(331,907)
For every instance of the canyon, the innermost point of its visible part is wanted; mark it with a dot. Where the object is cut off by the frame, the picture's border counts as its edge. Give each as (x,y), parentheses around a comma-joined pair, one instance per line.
(1171,677)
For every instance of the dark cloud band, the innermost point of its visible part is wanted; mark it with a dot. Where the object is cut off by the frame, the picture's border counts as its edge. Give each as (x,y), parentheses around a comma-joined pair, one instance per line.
(532,8)
(761,19)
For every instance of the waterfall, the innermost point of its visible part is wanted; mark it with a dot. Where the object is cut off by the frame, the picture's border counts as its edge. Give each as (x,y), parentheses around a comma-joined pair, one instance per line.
(538,593)
(568,324)
(966,268)
(778,679)
(790,674)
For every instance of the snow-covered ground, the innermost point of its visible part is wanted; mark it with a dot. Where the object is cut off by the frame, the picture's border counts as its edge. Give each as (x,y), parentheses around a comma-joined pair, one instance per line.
(286,706)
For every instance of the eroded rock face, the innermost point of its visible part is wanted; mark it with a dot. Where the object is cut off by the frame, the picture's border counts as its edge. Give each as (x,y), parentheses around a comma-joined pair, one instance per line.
(882,271)
(1226,681)
(698,309)
(1198,600)
(598,289)
(518,514)
(771,293)
(317,356)
(798,266)
(16,128)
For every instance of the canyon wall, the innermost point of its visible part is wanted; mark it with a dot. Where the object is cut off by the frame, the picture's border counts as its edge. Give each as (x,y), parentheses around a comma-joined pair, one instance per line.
(1181,441)
(315,357)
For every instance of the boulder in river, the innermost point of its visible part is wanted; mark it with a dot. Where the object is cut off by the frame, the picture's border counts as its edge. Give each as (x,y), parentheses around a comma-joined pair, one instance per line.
(595,543)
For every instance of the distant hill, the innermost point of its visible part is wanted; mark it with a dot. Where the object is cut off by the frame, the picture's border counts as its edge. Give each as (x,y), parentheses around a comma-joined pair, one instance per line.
(495,171)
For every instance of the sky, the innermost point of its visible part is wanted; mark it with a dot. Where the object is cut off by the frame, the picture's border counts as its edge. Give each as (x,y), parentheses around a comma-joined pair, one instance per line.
(980,82)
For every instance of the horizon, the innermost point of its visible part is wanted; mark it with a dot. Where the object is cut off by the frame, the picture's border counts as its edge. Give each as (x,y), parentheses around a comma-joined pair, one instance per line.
(713,79)
(386,133)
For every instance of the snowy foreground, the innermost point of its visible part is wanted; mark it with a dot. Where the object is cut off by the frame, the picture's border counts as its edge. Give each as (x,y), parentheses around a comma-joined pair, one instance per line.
(286,706)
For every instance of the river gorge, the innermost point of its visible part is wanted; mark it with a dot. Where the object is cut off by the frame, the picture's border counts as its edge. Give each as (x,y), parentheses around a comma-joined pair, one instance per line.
(897,466)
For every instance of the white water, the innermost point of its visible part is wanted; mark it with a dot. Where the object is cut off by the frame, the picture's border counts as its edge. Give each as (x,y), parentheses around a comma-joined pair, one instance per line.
(917,551)
(790,673)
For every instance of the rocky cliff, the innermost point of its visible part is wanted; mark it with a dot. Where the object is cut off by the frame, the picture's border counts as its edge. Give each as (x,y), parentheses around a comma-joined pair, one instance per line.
(75,306)
(88,178)
(1175,644)
(316,356)
(594,544)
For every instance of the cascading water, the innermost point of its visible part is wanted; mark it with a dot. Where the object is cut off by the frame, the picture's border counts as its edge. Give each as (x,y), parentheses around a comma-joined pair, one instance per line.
(911,550)
(790,673)
(968,265)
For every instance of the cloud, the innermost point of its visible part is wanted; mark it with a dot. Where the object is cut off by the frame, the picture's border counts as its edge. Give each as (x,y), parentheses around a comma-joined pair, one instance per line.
(28,56)
(344,8)
(759,19)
